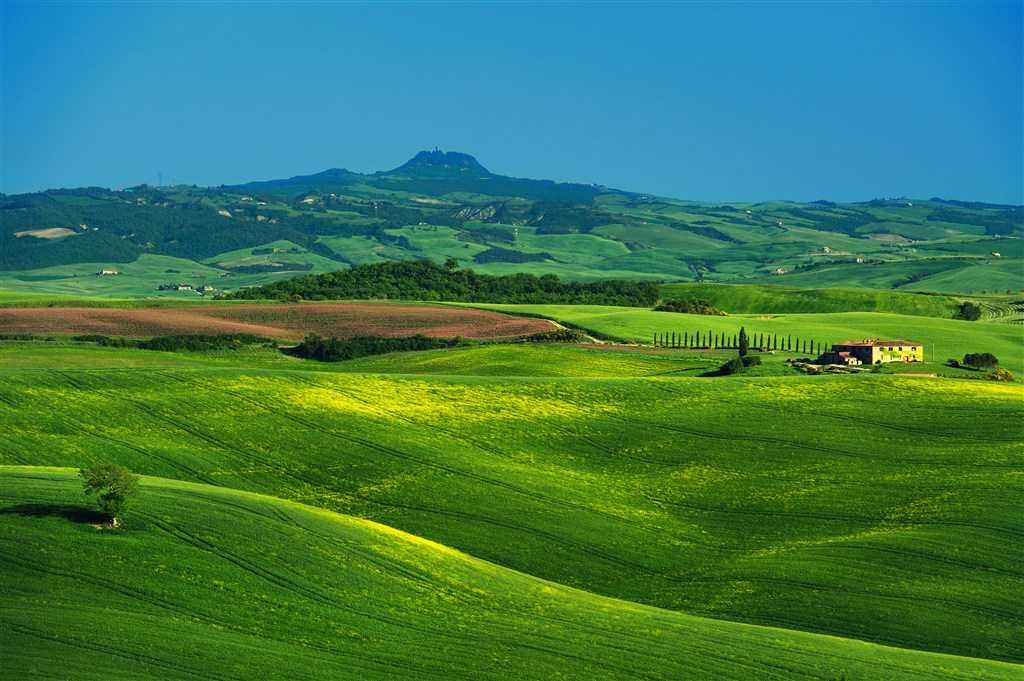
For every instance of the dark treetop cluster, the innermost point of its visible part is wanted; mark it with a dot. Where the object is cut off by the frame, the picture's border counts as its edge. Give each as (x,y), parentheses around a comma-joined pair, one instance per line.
(425,280)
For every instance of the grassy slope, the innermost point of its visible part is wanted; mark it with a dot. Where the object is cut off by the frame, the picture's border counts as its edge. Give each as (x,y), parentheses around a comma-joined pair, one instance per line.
(751,299)
(939,275)
(213,583)
(781,501)
(942,338)
(531,360)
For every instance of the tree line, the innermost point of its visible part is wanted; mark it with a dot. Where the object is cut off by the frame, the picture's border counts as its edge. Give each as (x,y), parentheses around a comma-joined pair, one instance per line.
(340,349)
(426,280)
(762,342)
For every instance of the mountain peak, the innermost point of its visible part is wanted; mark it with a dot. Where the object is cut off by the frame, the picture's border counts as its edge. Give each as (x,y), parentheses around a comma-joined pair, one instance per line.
(436,161)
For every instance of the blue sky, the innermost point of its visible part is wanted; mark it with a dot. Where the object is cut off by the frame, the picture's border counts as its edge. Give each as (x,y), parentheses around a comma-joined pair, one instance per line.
(726,101)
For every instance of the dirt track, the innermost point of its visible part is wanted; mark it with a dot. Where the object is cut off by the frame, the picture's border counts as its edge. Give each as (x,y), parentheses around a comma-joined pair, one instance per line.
(343,320)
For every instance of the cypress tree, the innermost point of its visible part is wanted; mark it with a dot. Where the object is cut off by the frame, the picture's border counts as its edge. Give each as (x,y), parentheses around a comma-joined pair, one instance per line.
(742,342)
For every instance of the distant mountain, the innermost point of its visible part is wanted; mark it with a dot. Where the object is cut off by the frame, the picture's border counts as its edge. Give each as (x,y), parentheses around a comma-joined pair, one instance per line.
(433,173)
(443,163)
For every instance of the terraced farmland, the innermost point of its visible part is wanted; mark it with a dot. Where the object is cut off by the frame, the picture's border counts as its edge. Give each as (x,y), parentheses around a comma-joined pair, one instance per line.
(780,502)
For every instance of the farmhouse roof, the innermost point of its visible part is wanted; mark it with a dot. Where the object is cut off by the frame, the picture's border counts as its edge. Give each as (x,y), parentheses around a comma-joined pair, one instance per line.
(875,342)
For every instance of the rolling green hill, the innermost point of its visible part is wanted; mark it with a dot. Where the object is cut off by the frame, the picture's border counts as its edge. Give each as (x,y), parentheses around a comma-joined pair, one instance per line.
(942,338)
(774,299)
(212,583)
(444,205)
(809,503)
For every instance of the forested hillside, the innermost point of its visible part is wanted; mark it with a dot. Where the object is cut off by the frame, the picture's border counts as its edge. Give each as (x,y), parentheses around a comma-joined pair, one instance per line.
(447,205)
(425,280)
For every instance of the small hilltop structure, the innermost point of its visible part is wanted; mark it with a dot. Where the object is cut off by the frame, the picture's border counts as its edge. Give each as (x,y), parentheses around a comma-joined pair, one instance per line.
(873,351)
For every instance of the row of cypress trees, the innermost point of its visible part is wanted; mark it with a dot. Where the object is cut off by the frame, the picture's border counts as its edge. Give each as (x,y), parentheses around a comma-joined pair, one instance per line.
(762,342)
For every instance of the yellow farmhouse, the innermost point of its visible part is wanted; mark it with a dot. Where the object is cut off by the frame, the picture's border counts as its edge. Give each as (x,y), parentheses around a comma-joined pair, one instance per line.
(874,351)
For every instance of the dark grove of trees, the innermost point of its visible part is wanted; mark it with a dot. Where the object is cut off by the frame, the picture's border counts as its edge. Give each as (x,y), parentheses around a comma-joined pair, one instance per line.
(338,349)
(969,311)
(426,280)
(980,360)
(690,306)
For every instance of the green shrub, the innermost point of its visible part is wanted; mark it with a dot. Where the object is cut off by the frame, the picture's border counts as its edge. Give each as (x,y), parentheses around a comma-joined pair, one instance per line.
(106,341)
(338,349)
(200,343)
(751,360)
(968,311)
(556,336)
(733,366)
(690,306)
(980,360)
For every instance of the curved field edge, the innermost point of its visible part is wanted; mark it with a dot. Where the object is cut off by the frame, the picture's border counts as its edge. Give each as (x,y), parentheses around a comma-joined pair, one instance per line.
(207,582)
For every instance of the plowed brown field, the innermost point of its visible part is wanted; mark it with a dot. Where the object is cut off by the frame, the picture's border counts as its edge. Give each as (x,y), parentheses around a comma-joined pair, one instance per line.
(342,320)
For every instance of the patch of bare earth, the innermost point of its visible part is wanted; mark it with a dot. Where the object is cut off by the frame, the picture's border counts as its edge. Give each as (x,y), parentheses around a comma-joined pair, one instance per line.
(48,233)
(286,322)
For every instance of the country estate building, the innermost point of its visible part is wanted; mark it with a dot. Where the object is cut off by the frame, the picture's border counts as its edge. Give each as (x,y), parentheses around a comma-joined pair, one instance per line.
(873,351)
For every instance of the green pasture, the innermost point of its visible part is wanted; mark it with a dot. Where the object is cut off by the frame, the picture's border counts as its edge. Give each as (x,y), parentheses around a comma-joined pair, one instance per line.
(137,279)
(533,359)
(245,257)
(942,338)
(751,299)
(207,582)
(807,503)
(973,275)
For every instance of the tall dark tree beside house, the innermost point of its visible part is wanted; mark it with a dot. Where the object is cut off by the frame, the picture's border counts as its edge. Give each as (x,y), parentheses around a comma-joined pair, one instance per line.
(743,344)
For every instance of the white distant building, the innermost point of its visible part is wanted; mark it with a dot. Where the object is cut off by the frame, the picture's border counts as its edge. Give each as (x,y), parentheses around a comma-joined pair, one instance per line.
(108,273)
(224,213)
(996,254)
(779,270)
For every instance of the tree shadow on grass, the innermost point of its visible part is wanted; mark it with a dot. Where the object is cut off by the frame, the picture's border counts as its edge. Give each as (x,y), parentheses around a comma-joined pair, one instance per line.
(75,514)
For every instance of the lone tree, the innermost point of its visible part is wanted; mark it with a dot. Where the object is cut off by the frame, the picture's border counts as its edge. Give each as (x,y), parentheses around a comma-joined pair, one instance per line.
(744,344)
(114,486)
